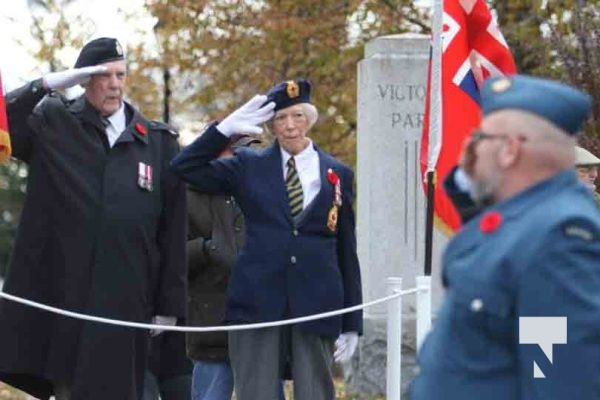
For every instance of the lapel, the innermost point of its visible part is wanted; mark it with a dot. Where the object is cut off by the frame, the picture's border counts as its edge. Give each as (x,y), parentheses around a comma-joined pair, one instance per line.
(86,113)
(137,127)
(325,197)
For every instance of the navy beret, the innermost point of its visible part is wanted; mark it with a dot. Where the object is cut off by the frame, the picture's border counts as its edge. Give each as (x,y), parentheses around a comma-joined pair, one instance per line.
(288,93)
(99,51)
(563,105)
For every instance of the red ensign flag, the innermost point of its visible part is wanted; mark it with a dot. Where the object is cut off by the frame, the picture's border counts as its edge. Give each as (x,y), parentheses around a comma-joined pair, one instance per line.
(5,149)
(473,49)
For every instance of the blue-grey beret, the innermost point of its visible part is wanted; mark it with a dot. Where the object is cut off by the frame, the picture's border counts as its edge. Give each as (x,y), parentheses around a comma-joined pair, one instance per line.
(563,105)
(99,51)
(288,93)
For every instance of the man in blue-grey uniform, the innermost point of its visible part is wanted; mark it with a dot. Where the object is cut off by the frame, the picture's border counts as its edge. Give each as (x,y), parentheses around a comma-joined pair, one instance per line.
(533,250)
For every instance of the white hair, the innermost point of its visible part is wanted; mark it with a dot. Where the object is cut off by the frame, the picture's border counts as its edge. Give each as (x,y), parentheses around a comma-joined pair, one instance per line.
(311,113)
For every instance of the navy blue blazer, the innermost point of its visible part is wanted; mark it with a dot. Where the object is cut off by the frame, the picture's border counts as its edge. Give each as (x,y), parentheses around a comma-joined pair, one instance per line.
(286,268)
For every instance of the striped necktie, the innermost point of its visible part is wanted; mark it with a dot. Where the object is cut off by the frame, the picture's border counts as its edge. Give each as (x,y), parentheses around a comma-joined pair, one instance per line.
(294,188)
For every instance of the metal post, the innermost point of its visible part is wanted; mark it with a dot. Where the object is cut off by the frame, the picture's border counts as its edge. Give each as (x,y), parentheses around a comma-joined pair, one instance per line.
(166,94)
(423,308)
(394,340)
(431,182)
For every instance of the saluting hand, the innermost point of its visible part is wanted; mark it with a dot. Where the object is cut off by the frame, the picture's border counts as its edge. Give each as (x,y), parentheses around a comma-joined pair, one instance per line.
(71,77)
(246,118)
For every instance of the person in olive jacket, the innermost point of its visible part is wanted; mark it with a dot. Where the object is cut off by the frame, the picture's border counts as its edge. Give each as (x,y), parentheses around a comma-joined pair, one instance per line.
(215,235)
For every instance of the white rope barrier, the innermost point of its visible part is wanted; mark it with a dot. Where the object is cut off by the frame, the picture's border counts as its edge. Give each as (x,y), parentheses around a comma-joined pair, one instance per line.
(394,323)
(140,325)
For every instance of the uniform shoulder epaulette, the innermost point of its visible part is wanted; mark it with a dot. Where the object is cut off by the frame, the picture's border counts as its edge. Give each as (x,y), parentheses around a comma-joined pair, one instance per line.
(580,230)
(161,126)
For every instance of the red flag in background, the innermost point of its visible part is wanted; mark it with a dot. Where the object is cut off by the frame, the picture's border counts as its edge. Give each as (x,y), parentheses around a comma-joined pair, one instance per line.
(472,49)
(5,149)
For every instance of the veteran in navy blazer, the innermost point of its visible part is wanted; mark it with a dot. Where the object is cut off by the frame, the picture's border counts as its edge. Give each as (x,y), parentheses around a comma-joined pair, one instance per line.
(300,252)
(529,251)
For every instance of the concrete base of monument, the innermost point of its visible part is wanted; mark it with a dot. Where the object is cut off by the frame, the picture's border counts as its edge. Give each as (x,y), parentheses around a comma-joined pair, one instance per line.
(366,374)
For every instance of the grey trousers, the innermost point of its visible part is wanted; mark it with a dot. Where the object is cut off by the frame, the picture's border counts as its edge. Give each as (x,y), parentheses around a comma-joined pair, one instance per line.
(258,359)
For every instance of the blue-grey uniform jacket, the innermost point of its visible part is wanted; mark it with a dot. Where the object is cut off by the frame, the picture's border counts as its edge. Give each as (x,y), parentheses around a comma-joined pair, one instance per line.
(287,267)
(535,255)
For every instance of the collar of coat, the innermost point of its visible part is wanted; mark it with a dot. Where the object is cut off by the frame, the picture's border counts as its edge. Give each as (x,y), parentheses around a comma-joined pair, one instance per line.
(137,127)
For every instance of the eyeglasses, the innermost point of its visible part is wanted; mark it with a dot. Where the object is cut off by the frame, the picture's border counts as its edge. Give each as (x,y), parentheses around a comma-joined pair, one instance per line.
(480,135)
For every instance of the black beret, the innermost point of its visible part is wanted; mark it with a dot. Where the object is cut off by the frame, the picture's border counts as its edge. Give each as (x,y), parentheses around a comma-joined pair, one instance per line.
(99,51)
(288,93)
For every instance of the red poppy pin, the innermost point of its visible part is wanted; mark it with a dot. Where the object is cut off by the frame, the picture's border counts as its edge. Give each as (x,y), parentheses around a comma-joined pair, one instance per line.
(490,222)
(335,181)
(332,177)
(141,129)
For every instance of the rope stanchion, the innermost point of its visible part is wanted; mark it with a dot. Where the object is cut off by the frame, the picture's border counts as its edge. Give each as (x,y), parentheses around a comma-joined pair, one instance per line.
(141,325)
(394,341)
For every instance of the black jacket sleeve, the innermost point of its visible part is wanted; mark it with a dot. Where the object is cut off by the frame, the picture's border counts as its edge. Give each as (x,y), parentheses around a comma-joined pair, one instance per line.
(172,295)
(20,104)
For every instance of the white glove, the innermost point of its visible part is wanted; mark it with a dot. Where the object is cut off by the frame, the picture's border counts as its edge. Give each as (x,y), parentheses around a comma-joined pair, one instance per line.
(162,320)
(246,118)
(71,77)
(345,346)
(462,180)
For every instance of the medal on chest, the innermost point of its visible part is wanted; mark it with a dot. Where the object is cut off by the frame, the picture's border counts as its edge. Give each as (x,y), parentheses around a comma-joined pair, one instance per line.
(332,216)
(145,176)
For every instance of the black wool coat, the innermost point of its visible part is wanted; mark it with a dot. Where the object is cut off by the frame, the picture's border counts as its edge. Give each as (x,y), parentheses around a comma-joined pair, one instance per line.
(91,239)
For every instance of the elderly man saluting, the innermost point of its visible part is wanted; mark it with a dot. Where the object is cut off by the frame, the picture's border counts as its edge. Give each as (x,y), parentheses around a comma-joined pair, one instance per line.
(102,232)
(300,252)
(532,251)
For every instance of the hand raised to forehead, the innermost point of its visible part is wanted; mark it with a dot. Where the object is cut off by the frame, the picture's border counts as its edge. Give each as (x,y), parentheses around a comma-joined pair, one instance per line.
(71,77)
(247,118)
(467,156)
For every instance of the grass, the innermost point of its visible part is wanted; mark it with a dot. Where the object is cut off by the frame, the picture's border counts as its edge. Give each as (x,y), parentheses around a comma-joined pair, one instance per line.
(8,393)
(340,392)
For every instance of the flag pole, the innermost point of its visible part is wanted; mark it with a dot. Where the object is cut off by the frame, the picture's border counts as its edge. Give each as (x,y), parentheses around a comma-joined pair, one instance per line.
(435,126)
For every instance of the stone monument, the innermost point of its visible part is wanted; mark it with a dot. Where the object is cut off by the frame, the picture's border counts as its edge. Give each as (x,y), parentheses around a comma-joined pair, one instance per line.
(391,206)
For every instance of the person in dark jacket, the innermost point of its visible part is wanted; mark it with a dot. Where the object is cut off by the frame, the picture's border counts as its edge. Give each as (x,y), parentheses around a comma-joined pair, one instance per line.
(102,232)
(215,236)
(300,252)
